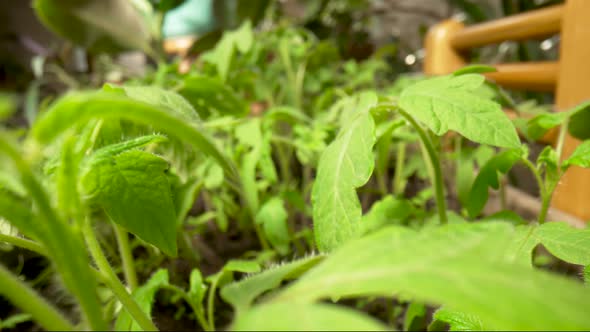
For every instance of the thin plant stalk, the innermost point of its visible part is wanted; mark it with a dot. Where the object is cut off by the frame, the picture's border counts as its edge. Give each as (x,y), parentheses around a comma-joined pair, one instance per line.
(437,173)
(399,185)
(23,243)
(25,298)
(126,257)
(112,281)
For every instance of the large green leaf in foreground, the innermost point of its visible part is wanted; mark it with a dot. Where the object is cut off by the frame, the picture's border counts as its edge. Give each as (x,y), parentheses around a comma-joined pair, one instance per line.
(463,266)
(452,103)
(305,317)
(346,164)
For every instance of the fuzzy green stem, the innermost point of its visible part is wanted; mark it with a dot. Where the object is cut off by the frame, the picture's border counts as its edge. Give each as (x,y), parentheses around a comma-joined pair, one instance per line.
(24,297)
(561,139)
(110,278)
(398,178)
(23,243)
(545,196)
(437,173)
(211,303)
(126,257)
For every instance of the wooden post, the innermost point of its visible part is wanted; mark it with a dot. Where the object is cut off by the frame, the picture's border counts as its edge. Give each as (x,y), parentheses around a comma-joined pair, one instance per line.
(441,57)
(573,86)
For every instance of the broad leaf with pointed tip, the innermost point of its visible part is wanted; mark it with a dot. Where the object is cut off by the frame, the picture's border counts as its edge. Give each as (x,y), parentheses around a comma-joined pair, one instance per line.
(346,164)
(134,191)
(452,103)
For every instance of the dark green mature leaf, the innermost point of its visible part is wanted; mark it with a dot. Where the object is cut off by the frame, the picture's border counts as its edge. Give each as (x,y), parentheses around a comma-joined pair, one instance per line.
(580,117)
(457,265)
(99,25)
(144,296)
(134,191)
(242,294)
(273,218)
(206,94)
(77,108)
(346,164)
(566,242)
(580,156)
(488,177)
(304,317)
(458,321)
(452,103)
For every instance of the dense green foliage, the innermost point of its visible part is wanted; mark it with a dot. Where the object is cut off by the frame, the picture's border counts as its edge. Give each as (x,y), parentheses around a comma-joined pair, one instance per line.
(322,167)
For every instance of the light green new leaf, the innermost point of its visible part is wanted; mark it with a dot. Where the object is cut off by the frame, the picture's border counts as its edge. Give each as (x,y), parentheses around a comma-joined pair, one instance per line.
(457,265)
(488,177)
(197,288)
(242,294)
(580,156)
(144,296)
(208,94)
(222,55)
(451,103)
(458,321)
(346,164)
(158,97)
(99,25)
(387,211)
(304,317)
(474,69)
(566,242)
(273,218)
(134,191)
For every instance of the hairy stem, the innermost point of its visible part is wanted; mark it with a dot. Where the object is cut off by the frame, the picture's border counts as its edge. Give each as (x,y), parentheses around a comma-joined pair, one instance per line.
(23,243)
(545,196)
(398,178)
(24,297)
(126,256)
(437,180)
(110,278)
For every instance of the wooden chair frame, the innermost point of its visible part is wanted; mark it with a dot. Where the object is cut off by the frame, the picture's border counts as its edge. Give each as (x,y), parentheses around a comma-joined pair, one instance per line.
(568,78)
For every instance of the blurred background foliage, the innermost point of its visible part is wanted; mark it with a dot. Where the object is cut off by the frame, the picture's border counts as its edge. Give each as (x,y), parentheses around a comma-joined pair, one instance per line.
(48,46)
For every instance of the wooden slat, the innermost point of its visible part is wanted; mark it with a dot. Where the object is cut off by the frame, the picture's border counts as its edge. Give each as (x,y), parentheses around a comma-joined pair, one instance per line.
(534,24)
(441,58)
(532,76)
(573,193)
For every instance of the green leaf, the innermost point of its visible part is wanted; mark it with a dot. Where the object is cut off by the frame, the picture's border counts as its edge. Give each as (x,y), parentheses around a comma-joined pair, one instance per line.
(208,94)
(197,288)
(457,265)
(12,321)
(304,317)
(474,69)
(587,275)
(415,317)
(451,103)
(540,124)
(222,55)
(18,212)
(580,115)
(580,156)
(520,249)
(458,321)
(346,164)
(133,189)
(144,296)
(566,242)
(488,177)
(99,25)
(273,218)
(7,105)
(77,108)
(389,210)
(158,97)
(242,294)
